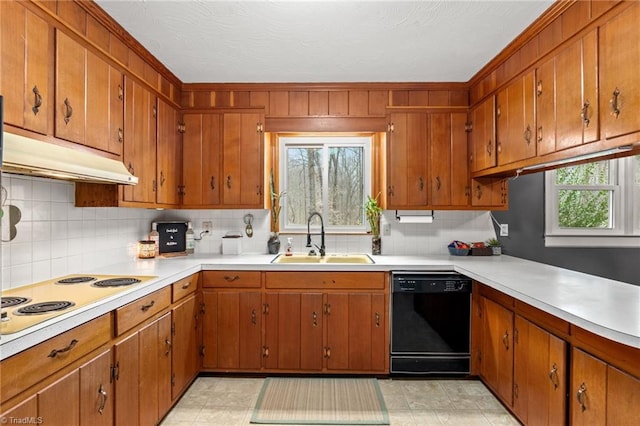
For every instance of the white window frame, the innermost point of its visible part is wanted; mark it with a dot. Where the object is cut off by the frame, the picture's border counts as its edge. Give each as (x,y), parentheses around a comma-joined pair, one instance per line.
(622,232)
(331,140)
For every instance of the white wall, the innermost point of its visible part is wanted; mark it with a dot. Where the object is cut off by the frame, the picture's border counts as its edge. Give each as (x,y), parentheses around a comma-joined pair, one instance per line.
(55,238)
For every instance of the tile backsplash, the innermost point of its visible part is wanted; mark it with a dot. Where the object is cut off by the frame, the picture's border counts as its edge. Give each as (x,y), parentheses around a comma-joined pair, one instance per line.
(53,237)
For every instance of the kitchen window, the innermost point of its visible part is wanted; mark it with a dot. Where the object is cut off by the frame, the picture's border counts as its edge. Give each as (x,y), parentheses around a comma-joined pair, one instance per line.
(594,204)
(326,174)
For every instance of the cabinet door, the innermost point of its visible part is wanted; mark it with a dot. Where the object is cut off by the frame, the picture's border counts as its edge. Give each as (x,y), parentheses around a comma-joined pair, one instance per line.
(26,64)
(126,355)
(185,360)
(155,370)
(116,111)
(96,391)
(587,394)
(233,330)
(140,142)
(355,331)
(540,375)
(576,93)
(71,60)
(201,149)
(27,408)
(515,117)
(483,135)
(98,103)
(489,192)
(169,155)
(293,339)
(59,403)
(448,166)
(619,79)
(407,146)
(623,398)
(497,350)
(243,159)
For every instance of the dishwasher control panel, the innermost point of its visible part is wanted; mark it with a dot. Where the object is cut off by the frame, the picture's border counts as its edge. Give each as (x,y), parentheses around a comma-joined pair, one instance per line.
(430,282)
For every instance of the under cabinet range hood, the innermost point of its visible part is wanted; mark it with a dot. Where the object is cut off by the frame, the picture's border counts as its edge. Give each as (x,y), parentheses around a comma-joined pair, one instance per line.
(33,157)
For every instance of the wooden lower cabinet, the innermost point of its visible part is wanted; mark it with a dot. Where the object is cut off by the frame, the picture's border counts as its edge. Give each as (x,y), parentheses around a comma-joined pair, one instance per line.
(293,331)
(126,379)
(540,371)
(356,332)
(497,349)
(96,391)
(232,330)
(59,403)
(600,393)
(186,358)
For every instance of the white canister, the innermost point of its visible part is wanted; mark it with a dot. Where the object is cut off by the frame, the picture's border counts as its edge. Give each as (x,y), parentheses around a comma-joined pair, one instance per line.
(232,244)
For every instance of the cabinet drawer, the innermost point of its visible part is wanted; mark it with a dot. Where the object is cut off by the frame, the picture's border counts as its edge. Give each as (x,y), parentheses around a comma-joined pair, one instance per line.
(31,366)
(231,279)
(326,280)
(139,310)
(184,287)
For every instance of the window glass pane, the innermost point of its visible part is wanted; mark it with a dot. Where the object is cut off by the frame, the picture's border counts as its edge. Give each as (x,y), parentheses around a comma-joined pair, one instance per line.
(584,174)
(637,169)
(584,209)
(346,172)
(304,183)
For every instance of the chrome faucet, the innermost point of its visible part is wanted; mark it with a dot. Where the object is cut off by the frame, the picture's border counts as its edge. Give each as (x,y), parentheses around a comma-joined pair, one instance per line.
(321,248)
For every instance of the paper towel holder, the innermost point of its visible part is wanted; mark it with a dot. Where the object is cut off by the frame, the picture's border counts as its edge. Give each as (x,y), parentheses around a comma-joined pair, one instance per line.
(415,218)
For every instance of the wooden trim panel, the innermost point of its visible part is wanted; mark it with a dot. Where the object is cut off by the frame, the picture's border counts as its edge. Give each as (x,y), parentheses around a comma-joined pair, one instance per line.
(231,279)
(326,280)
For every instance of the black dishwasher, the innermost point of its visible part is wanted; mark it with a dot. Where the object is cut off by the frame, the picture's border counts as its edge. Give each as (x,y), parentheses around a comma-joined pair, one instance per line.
(430,323)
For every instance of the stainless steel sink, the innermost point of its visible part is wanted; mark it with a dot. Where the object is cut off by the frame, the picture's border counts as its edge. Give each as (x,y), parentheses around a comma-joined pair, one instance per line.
(330,258)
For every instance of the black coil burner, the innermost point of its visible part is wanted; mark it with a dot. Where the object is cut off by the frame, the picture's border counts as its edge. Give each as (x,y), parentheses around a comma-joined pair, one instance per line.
(116,282)
(75,280)
(44,307)
(10,301)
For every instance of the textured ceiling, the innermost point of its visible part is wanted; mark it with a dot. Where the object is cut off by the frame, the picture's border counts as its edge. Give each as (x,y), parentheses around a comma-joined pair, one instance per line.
(324,41)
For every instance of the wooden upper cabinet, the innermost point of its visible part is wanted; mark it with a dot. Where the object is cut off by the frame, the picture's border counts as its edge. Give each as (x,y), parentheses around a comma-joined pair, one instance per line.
(566,89)
(490,192)
(515,117)
(140,142)
(70,89)
(483,136)
(407,146)
(619,47)
(26,68)
(201,150)
(448,166)
(243,163)
(169,155)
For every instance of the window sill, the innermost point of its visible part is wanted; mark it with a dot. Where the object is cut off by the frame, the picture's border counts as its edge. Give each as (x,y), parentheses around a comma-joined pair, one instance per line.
(591,242)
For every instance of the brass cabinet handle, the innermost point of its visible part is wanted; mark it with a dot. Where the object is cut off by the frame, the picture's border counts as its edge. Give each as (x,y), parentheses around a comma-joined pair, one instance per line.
(186,286)
(553,376)
(314,315)
(540,134)
(54,353)
(615,107)
(265,309)
(68,111)
(581,396)
(145,308)
(391,127)
(327,309)
(539,88)
(478,191)
(585,114)
(154,111)
(377,319)
(120,135)
(258,189)
(168,345)
(229,181)
(505,340)
(254,317)
(212,183)
(265,351)
(489,148)
(527,134)
(390,191)
(438,183)
(120,92)
(420,183)
(37,102)
(231,278)
(103,394)
(499,147)
(327,352)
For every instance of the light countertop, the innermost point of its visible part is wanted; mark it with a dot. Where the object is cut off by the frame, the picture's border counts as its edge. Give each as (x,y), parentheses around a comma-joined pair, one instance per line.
(608,308)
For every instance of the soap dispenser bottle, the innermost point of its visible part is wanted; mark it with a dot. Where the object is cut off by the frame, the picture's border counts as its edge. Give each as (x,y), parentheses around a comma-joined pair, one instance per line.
(289,250)
(190,239)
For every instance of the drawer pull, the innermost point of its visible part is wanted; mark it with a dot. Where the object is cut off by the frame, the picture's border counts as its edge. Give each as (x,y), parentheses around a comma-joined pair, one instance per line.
(186,286)
(54,353)
(145,308)
(103,394)
(231,278)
